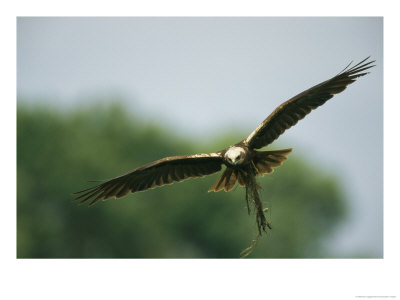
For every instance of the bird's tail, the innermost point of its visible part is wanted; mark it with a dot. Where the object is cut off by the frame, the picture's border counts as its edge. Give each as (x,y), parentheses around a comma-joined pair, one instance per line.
(228,179)
(264,162)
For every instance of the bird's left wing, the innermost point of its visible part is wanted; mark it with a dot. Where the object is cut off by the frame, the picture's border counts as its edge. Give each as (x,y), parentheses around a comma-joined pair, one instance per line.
(296,108)
(164,171)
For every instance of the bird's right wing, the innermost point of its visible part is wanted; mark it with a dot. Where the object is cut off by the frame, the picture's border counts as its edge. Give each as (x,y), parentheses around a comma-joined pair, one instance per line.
(164,171)
(296,108)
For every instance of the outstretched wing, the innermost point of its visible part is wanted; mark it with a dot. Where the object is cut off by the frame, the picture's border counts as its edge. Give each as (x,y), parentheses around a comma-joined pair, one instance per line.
(164,171)
(296,108)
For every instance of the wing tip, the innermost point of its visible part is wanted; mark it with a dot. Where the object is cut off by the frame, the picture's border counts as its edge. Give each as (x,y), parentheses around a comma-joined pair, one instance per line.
(357,67)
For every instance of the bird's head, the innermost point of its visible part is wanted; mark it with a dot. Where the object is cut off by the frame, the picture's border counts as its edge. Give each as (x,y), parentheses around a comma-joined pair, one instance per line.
(235,155)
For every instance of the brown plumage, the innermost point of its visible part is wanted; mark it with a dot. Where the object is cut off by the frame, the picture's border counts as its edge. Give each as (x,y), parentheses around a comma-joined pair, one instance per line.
(158,173)
(264,162)
(243,163)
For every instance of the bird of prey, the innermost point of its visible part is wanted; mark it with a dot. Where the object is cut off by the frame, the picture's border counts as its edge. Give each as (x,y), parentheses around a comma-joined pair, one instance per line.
(243,161)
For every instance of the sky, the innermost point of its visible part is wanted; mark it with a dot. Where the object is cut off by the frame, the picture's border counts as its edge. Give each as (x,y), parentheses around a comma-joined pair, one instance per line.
(203,77)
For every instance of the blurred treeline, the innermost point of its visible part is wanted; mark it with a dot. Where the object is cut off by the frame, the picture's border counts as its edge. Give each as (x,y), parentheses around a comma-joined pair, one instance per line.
(58,152)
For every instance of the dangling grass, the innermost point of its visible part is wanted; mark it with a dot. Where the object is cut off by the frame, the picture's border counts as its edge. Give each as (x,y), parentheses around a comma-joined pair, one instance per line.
(253,199)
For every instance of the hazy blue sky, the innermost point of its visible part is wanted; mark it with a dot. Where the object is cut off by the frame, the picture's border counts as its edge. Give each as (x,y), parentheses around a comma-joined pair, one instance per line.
(206,76)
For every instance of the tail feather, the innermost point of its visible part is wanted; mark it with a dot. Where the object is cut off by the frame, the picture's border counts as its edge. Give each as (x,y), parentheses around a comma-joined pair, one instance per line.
(226,181)
(222,181)
(241,179)
(230,181)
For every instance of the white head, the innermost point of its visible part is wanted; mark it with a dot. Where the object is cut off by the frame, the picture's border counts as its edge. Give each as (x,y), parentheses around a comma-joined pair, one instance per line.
(235,155)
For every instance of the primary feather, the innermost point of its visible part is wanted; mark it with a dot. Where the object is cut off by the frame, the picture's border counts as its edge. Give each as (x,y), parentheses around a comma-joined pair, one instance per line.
(290,112)
(164,171)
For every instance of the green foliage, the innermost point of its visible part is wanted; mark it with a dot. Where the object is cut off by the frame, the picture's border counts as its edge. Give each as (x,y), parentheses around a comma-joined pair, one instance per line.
(57,153)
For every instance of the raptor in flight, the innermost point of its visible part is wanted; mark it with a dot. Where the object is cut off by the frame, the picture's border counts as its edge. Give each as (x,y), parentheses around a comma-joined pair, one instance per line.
(242,161)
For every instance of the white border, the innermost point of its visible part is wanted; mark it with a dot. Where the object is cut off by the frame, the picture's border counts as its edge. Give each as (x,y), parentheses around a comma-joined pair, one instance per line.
(198,279)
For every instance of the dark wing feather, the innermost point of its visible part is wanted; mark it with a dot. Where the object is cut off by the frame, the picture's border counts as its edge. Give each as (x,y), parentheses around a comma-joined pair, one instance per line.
(296,108)
(266,161)
(164,171)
